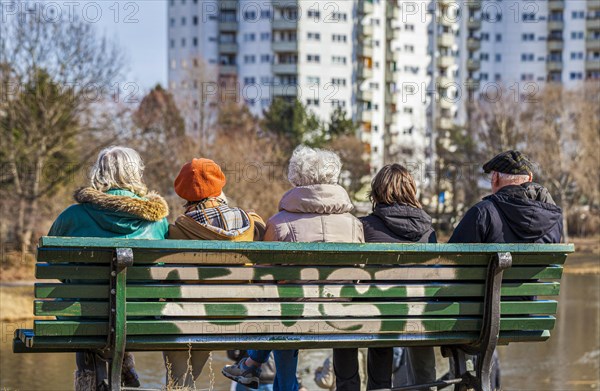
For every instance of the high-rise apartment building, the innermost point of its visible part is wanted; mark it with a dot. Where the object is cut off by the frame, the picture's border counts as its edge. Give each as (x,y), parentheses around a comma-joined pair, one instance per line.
(404,70)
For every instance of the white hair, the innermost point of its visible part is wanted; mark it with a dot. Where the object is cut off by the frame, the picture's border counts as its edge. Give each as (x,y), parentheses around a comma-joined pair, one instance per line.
(313,166)
(512,177)
(118,168)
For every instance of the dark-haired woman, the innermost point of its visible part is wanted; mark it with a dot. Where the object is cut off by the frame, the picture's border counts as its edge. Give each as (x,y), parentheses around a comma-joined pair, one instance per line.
(397,217)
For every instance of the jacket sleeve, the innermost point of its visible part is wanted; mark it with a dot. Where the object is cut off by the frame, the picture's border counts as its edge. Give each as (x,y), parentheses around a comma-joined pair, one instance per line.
(471,228)
(432,237)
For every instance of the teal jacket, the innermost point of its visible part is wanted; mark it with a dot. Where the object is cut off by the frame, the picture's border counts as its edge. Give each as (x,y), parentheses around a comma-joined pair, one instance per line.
(113,214)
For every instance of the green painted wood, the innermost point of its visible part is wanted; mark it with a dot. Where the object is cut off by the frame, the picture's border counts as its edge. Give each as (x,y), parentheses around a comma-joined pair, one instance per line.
(294,257)
(274,341)
(53,241)
(271,273)
(276,326)
(118,349)
(273,291)
(290,309)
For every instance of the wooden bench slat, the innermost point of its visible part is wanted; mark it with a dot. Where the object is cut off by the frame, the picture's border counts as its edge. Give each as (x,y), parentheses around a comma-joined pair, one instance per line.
(273,291)
(275,341)
(323,325)
(291,309)
(242,257)
(271,273)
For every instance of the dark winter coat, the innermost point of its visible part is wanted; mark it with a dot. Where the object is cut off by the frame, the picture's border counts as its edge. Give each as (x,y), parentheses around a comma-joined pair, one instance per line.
(398,224)
(514,214)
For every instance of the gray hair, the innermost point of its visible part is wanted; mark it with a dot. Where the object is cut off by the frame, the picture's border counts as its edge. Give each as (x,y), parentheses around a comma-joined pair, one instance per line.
(512,177)
(118,168)
(313,166)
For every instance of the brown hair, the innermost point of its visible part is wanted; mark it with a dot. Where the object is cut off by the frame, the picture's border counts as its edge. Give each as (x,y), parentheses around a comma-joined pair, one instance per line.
(394,184)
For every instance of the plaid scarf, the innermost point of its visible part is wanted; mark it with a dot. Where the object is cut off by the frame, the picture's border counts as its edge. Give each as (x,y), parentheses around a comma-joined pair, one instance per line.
(216,213)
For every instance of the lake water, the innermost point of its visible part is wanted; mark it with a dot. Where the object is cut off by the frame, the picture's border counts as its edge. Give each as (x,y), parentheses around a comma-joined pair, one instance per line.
(570,360)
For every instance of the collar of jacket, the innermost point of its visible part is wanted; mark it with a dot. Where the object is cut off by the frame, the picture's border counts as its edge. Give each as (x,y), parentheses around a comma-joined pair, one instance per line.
(152,207)
(320,199)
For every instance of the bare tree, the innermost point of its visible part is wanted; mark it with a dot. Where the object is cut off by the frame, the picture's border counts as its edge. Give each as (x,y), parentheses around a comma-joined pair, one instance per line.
(54,76)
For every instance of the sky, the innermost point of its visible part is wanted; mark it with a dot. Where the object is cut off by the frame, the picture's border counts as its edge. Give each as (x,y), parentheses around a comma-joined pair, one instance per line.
(140,29)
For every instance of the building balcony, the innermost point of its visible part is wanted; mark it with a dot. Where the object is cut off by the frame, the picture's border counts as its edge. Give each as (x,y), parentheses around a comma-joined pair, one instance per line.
(389,76)
(365,7)
(445,61)
(364,96)
(364,72)
(473,44)
(285,69)
(555,45)
(446,40)
(284,46)
(444,124)
(444,81)
(472,84)
(230,5)
(366,115)
(592,65)
(365,50)
(228,26)
(285,90)
(473,64)
(227,70)
(285,24)
(474,24)
(285,4)
(556,5)
(446,103)
(228,48)
(592,23)
(366,30)
(556,25)
(388,96)
(554,66)
(474,4)
(592,44)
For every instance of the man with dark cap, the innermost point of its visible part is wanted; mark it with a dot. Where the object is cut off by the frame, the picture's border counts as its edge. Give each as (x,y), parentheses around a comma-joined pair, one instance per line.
(518,211)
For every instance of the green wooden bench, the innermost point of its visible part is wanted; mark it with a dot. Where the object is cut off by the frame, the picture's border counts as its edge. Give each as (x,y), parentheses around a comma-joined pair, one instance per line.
(114,295)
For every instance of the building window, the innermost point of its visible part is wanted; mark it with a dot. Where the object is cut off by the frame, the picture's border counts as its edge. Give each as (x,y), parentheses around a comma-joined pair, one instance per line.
(313,36)
(339,38)
(527,57)
(498,57)
(249,15)
(338,82)
(409,27)
(183,21)
(528,37)
(484,56)
(315,14)
(529,17)
(195,20)
(249,59)
(172,3)
(265,14)
(265,58)
(195,42)
(249,80)
(578,14)
(409,48)
(576,55)
(576,34)
(265,36)
(408,110)
(485,37)
(249,37)
(182,42)
(312,102)
(338,103)
(527,77)
(266,80)
(498,37)
(497,77)
(172,44)
(339,16)
(484,77)
(576,76)
(340,60)
(315,58)
(172,22)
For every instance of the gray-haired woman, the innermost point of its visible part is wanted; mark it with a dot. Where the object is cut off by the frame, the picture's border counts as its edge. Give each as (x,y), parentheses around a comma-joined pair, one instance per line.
(116,204)
(317,209)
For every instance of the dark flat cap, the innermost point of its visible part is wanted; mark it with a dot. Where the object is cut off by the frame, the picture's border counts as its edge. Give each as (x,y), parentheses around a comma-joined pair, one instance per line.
(509,162)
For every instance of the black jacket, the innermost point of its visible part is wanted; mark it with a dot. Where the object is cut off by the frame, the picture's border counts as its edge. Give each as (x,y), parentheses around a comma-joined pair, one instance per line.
(515,214)
(398,224)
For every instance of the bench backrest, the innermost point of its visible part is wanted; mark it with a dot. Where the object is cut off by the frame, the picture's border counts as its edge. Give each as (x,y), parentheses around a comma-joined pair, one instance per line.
(260,294)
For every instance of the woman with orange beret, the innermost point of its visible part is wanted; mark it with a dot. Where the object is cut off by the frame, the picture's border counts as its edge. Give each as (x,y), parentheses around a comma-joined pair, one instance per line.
(206,216)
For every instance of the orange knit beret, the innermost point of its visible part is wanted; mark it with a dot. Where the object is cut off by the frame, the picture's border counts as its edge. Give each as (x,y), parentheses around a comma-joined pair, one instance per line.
(199,179)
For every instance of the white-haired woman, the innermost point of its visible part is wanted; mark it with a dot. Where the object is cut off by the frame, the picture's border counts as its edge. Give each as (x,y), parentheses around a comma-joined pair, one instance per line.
(116,204)
(317,209)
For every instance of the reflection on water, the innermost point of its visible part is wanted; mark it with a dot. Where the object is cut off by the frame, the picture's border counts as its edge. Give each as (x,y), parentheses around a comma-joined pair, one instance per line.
(570,360)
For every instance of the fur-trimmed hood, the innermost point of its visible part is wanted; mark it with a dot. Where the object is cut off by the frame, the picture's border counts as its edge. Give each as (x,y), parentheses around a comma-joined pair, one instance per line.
(150,208)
